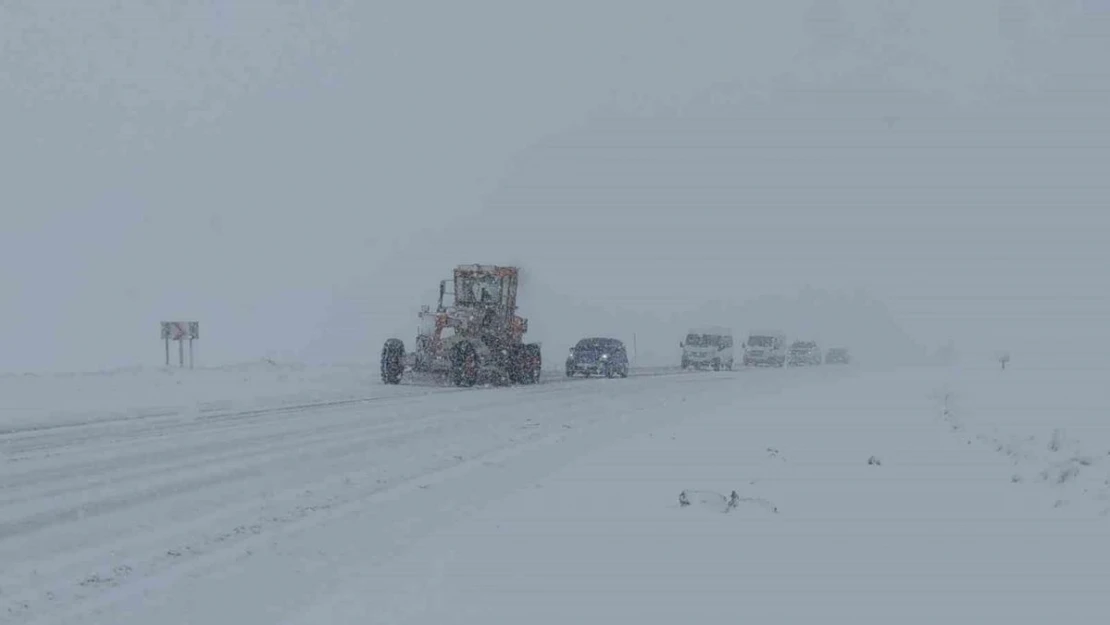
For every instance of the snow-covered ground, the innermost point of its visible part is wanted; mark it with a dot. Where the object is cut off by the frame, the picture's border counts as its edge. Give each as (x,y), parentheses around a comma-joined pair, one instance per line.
(105,505)
(48,400)
(855,499)
(44,401)
(854,503)
(1050,425)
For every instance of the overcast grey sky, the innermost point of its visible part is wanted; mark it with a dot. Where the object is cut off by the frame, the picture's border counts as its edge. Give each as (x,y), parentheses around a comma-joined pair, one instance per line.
(299,175)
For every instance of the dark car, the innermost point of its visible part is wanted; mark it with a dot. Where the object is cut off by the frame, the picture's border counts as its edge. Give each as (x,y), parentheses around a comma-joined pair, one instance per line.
(837,355)
(598,356)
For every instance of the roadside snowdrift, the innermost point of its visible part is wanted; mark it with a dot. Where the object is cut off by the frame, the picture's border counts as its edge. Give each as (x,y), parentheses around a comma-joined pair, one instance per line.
(49,400)
(1049,425)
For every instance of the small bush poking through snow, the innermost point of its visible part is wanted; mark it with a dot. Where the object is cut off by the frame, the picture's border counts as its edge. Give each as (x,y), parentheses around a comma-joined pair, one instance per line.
(733,500)
(721,503)
(873,460)
(1057,440)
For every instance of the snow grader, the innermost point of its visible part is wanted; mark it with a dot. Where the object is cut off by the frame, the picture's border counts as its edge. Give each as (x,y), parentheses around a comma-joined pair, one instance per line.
(477,339)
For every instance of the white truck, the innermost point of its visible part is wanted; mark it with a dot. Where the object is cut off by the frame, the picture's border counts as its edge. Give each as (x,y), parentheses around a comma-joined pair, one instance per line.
(804,354)
(765,348)
(707,347)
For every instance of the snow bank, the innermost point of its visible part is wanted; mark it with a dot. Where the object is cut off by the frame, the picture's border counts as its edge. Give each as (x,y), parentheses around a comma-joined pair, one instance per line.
(1050,425)
(847,502)
(46,400)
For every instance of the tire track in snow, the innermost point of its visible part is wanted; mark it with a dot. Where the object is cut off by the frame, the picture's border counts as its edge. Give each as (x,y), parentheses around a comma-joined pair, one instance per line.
(349,447)
(129,581)
(157,424)
(121,470)
(147,469)
(129,451)
(198,444)
(60,438)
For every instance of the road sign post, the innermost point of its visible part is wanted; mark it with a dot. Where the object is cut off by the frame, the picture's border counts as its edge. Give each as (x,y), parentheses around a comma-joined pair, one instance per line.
(180,331)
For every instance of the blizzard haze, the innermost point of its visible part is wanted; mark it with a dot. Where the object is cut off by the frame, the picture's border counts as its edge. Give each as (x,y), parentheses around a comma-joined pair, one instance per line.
(922,182)
(299,176)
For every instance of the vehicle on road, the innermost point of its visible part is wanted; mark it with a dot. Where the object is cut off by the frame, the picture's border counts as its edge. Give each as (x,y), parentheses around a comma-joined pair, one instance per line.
(804,354)
(477,338)
(598,356)
(765,348)
(707,347)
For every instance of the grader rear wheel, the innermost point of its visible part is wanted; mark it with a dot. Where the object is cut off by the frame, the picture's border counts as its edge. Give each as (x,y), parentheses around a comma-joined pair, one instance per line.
(393,361)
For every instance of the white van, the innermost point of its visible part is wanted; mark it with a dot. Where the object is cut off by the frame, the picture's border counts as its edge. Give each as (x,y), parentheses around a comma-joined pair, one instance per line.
(707,347)
(765,348)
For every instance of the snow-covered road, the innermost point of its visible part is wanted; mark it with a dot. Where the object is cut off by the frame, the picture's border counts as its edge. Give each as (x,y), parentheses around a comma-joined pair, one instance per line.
(861,496)
(105,519)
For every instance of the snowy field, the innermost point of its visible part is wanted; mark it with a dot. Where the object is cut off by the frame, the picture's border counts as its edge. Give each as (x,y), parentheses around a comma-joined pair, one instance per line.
(919,496)
(1051,427)
(856,502)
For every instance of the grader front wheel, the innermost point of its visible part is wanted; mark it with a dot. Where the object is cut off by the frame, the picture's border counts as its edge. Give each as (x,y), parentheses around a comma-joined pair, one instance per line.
(464,365)
(533,364)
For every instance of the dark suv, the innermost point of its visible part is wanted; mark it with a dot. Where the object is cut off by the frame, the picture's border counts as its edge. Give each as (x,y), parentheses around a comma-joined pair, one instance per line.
(600,356)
